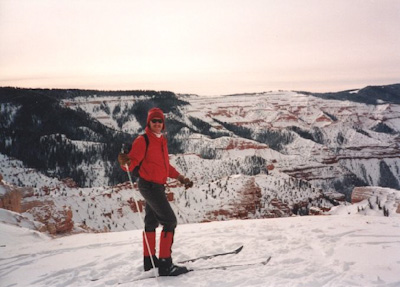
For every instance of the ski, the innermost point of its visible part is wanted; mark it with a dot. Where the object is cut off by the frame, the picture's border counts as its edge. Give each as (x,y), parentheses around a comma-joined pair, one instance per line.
(223,267)
(236,251)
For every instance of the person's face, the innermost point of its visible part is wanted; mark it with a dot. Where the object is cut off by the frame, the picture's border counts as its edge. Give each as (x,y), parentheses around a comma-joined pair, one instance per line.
(156,125)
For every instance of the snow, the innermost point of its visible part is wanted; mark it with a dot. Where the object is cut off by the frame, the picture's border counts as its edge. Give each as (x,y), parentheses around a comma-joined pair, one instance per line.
(336,250)
(14,218)
(353,246)
(2,190)
(107,108)
(14,172)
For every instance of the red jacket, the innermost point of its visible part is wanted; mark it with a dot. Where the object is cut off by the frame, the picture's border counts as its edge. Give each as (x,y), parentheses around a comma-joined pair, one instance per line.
(155,166)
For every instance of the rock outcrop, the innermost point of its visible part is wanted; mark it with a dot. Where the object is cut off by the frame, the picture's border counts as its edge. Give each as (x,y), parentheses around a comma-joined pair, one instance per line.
(10,196)
(384,196)
(56,220)
(19,199)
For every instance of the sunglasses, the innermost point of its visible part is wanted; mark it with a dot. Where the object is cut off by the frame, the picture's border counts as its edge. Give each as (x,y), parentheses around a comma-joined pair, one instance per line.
(160,121)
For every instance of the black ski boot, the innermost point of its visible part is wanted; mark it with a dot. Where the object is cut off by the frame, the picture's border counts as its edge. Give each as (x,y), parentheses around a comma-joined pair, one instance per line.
(147,262)
(167,268)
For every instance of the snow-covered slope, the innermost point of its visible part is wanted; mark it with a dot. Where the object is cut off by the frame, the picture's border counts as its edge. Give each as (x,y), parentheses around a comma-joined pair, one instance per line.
(326,141)
(212,198)
(340,250)
(315,146)
(329,142)
(16,219)
(318,146)
(109,111)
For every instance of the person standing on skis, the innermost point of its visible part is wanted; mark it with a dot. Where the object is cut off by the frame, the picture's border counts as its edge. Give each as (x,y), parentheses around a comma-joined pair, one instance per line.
(151,156)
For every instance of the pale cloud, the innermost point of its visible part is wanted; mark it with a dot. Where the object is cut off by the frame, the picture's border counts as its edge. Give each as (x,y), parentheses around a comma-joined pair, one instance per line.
(205,47)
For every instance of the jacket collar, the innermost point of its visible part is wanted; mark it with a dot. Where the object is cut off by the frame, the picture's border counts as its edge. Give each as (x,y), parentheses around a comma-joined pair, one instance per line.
(151,134)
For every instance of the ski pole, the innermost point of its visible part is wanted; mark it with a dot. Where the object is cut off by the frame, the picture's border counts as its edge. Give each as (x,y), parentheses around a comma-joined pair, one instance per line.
(141,220)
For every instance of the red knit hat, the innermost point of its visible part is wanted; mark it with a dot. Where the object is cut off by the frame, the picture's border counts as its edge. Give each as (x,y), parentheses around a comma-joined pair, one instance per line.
(155,113)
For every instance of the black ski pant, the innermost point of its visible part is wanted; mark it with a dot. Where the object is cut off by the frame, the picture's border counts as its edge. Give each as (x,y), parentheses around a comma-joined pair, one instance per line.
(158,210)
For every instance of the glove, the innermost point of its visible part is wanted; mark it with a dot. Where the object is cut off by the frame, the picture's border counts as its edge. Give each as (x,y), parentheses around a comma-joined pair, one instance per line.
(185,181)
(123,159)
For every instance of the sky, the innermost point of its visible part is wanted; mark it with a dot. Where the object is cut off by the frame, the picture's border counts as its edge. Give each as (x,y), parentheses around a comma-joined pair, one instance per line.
(207,47)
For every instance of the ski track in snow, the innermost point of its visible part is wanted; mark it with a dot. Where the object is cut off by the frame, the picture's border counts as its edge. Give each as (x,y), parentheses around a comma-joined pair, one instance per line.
(306,251)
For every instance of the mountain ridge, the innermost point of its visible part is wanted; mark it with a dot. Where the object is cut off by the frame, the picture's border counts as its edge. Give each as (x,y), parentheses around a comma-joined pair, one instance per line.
(320,149)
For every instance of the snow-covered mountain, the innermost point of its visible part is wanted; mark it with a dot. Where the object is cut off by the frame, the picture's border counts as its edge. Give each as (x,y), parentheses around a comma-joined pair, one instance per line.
(318,147)
(335,144)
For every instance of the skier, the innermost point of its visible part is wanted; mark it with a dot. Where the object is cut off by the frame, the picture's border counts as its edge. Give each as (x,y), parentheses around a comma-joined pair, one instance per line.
(151,156)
